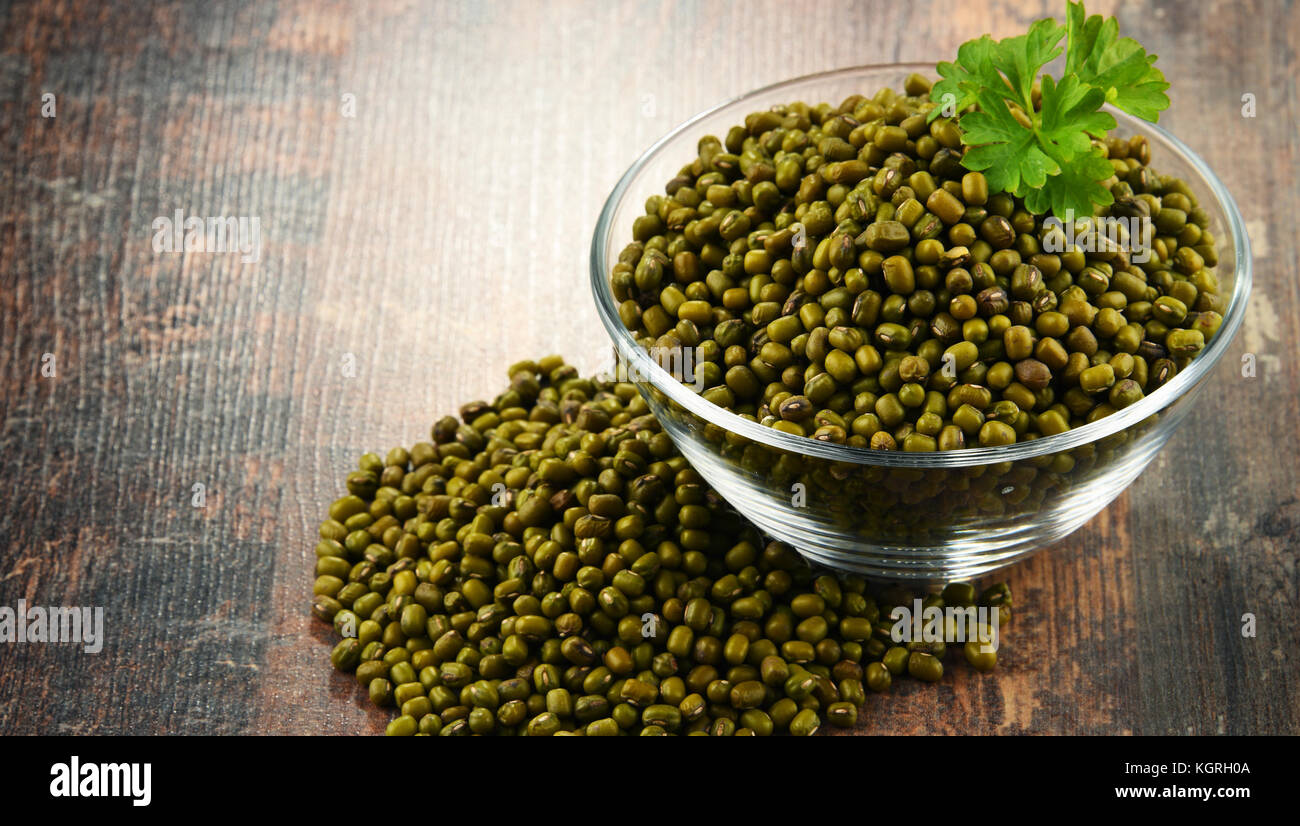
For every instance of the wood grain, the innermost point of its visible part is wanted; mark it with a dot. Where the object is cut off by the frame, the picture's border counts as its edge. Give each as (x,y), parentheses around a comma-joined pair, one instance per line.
(441,233)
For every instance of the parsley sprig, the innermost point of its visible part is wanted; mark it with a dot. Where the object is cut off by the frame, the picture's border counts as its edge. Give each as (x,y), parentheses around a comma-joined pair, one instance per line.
(1044,153)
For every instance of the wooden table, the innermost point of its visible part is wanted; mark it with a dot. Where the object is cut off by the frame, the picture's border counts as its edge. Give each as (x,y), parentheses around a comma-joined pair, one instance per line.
(426,180)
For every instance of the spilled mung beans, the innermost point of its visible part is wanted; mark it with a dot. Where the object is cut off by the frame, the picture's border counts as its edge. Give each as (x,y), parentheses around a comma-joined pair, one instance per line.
(549,564)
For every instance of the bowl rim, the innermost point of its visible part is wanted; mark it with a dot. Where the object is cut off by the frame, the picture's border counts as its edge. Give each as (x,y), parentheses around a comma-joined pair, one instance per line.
(646,366)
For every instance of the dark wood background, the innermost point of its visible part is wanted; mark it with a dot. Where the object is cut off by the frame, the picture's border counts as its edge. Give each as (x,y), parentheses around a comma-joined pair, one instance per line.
(442,233)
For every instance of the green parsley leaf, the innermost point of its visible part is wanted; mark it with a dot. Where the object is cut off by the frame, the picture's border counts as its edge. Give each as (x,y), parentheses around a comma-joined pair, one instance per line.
(1020,58)
(1120,68)
(1069,116)
(1077,187)
(1003,149)
(1044,153)
(961,80)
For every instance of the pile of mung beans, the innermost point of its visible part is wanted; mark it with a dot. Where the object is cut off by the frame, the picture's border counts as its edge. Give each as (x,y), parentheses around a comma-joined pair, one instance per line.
(549,564)
(842,276)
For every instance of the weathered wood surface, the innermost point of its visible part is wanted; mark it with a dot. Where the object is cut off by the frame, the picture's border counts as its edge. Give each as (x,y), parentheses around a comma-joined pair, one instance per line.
(439,234)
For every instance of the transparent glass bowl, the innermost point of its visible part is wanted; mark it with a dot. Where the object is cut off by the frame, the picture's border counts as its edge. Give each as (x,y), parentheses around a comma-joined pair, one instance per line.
(922,517)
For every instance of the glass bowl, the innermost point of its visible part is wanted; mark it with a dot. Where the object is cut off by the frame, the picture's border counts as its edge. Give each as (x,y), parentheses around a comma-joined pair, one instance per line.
(920,517)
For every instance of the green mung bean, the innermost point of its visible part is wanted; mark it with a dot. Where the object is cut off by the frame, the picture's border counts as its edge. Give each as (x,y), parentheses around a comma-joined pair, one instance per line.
(672,616)
(901,251)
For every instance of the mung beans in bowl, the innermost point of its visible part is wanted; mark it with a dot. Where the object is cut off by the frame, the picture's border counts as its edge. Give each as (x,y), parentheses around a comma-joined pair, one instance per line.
(874,357)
